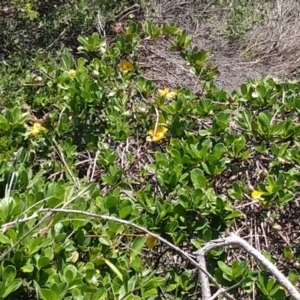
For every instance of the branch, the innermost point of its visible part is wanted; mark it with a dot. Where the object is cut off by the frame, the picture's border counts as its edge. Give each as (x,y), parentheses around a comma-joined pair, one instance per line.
(221,291)
(114,219)
(233,239)
(50,212)
(4,227)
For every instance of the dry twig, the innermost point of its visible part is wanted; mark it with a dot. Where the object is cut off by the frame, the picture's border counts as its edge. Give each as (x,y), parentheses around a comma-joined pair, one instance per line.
(235,240)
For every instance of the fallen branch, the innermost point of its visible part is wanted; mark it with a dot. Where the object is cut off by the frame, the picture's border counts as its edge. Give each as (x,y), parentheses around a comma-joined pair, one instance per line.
(233,239)
(51,212)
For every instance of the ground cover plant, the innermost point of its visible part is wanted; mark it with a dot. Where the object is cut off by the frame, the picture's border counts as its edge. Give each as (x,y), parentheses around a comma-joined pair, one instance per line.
(105,174)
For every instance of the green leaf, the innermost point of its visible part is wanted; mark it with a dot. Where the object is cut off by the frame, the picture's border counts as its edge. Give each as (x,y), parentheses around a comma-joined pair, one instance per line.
(246,119)
(239,144)
(293,276)
(42,262)
(4,239)
(35,245)
(53,202)
(3,123)
(125,209)
(220,121)
(280,294)
(233,215)
(198,179)
(47,294)
(80,63)
(105,241)
(13,286)
(9,273)
(245,89)
(151,293)
(261,89)
(262,282)
(70,272)
(111,201)
(239,269)
(219,150)
(264,120)
(27,268)
(272,286)
(137,246)
(66,62)
(287,252)
(227,270)
(114,268)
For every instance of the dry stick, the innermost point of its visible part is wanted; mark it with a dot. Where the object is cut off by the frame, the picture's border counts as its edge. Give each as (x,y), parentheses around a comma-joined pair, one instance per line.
(8,225)
(204,283)
(114,219)
(220,291)
(233,239)
(125,12)
(157,120)
(94,165)
(33,84)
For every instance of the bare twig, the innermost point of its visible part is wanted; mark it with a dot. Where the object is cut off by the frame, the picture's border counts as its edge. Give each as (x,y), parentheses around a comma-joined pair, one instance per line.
(127,11)
(219,292)
(233,239)
(94,165)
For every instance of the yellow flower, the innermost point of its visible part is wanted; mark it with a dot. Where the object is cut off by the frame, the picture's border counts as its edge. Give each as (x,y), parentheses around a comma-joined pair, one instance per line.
(171,95)
(151,241)
(36,128)
(72,74)
(125,66)
(164,92)
(256,194)
(159,134)
(167,93)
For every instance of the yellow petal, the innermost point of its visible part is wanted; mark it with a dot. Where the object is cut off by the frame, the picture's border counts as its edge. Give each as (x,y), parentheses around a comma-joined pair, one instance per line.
(156,138)
(159,135)
(151,132)
(72,73)
(125,66)
(171,95)
(151,241)
(163,129)
(36,128)
(164,92)
(256,194)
